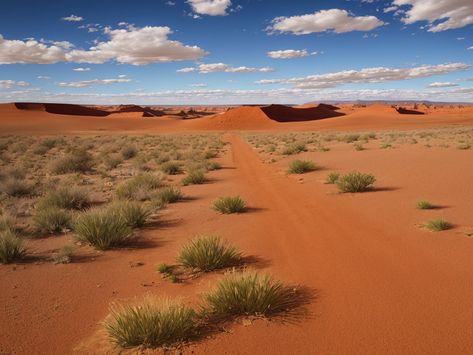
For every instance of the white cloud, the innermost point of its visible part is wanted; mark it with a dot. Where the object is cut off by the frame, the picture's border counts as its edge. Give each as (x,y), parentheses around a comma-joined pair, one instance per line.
(470,48)
(43,77)
(7,84)
(73,18)
(368,75)
(442,85)
(210,7)
(222,67)
(441,14)
(86,83)
(390,9)
(81,69)
(198,85)
(29,51)
(137,47)
(339,21)
(128,46)
(289,53)
(122,76)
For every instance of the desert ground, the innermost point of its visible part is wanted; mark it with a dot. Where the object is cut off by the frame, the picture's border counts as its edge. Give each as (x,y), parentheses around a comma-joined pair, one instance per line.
(384,271)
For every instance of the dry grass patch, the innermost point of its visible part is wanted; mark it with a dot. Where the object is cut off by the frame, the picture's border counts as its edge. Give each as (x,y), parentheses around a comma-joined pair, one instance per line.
(11,247)
(229,205)
(355,182)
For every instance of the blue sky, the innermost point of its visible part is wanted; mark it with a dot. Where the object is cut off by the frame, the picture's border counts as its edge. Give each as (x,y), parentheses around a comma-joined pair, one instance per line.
(235,51)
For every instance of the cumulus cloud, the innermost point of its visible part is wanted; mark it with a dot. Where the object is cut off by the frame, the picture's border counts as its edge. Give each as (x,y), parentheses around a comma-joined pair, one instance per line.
(137,47)
(222,67)
(336,20)
(73,18)
(441,14)
(86,83)
(442,85)
(127,46)
(210,7)
(368,75)
(289,53)
(81,69)
(43,77)
(29,51)
(7,84)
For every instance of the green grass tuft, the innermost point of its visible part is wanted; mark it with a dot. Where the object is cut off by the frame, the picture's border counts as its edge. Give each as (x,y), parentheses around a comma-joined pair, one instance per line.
(208,253)
(52,220)
(332,177)
(301,166)
(437,225)
(355,182)
(229,204)
(78,161)
(70,198)
(152,322)
(11,247)
(194,177)
(424,205)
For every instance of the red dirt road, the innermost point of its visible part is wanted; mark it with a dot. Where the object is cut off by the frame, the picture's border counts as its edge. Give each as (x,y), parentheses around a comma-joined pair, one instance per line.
(378,293)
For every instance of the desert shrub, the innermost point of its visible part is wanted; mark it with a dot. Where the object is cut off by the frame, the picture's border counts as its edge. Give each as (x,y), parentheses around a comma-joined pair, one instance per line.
(213,165)
(151,322)
(15,187)
(164,268)
(139,187)
(77,161)
(133,213)
(294,149)
(229,204)
(169,194)
(424,205)
(194,177)
(112,161)
(437,225)
(350,138)
(464,146)
(103,228)
(128,152)
(207,254)
(355,182)
(385,145)
(11,247)
(210,154)
(171,168)
(64,255)
(332,177)
(7,223)
(301,166)
(248,294)
(51,220)
(71,198)
(358,147)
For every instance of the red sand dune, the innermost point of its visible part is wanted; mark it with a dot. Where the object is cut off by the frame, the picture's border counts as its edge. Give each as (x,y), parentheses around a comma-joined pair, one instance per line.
(282,113)
(61,109)
(405,111)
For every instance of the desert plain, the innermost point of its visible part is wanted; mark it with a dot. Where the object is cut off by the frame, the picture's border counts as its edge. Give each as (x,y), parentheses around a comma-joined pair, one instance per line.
(385,271)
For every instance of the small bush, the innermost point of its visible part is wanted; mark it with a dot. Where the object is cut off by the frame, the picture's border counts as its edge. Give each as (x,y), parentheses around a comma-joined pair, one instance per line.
(11,247)
(7,223)
(52,220)
(139,187)
(152,322)
(194,177)
(332,178)
(169,194)
(294,149)
(464,146)
(133,213)
(301,166)
(171,168)
(71,198)
(103,228)
(228,205)
(64,256)
(213,165)
(78,161)
(437,225)
(248,294)
(207,254)
(358,147)
(164,268)
(128,152)
(355,182)
(112,161)
(350,138)
(424,205)
(15,187)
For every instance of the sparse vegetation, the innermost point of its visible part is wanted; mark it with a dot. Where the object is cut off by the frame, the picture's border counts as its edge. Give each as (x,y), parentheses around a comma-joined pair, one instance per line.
(437,225)
(424,205)
(194,177)
(169,194)
(229,204)
(151,322)
(139,187)
(171,168)
(64,255)
(71,198)
(52,220)
(11,247)
(301,166)
(332,177)
(248,294)
(104,228)
(77,161)
(355,182)
(207,254)
(133,213)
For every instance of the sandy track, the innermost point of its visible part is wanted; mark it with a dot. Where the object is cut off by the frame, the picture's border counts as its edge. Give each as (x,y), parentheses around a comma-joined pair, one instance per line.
(377,293)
